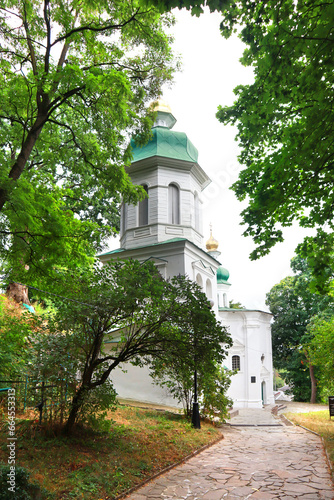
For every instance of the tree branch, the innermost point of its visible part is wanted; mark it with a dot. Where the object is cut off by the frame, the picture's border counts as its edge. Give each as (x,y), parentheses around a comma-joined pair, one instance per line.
(98,29)
(29,42)
(48,36)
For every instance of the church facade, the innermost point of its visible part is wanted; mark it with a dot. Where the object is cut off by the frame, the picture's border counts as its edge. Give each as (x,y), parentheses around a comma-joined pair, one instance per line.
(167,228)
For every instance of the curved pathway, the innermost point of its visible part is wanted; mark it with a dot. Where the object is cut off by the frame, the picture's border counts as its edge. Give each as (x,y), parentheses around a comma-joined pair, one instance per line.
(259,458)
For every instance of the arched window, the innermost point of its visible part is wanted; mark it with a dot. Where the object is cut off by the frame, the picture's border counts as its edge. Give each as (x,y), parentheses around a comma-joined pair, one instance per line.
(236,363)
(196,198)
(199,280)
(173,204)
(225,300)
(143,210)
(208,288)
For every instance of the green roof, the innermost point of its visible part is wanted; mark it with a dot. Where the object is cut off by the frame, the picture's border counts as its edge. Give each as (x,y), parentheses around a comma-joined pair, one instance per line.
(172,240)
(119,250)
(166,143)
(222,275)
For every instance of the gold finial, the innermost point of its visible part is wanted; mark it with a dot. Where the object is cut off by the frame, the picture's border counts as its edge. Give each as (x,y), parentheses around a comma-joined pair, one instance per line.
(161,105)
(211,244)
(165,116)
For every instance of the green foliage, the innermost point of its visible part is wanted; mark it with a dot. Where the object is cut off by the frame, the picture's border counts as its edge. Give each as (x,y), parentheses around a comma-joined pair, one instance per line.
(93,411)
(320,349)
(235,305)
(200,345)
(195,6)
(279,379)
(285,121)
(17,327)
(75,81)
(24,490)
(293,305)
(215,402)
(125,312)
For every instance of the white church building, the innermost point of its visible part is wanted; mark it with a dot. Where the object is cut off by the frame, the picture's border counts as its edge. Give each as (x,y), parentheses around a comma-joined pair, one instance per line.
(167,228)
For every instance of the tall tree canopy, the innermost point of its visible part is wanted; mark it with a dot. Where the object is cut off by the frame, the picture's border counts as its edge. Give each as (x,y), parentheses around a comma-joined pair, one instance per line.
(293,305)
(75,80)
(285,122)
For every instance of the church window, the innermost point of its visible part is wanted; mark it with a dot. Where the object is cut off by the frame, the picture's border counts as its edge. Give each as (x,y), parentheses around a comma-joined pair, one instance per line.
(236,363)
(143,210)
(173,204)
(199,280)
(208,288)
(196,211)
(123,216)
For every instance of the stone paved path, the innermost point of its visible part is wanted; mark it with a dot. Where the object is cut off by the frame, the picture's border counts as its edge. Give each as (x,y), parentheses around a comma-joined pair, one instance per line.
(281,462)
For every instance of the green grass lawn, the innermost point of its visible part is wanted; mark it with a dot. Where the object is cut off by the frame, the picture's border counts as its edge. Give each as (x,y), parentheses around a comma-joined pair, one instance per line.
(317,421)
(101,465)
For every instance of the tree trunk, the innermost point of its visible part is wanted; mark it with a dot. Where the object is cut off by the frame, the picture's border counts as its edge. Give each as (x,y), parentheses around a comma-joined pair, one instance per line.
(313,385)
(19,293)
(75,407)
(24,154)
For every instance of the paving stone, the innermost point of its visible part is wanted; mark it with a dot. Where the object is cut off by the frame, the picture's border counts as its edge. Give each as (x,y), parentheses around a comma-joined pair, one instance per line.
(300,488)
(243,491)
(220,476)
(282,463)
(262,494)
(214,495)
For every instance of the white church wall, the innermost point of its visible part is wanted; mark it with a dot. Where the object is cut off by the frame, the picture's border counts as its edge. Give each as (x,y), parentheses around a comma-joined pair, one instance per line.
(134,383)
(250,331)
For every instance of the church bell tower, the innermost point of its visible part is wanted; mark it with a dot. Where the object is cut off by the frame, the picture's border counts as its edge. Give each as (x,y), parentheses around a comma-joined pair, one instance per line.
(167,168)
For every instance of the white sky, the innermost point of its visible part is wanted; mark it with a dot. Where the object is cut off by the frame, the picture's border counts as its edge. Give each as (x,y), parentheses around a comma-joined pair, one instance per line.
(210,71)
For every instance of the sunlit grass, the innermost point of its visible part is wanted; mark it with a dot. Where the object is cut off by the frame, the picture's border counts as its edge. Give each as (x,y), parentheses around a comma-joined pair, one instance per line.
(101,465)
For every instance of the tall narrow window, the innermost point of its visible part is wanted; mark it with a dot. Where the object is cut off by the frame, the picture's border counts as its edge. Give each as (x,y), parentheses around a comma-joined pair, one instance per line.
(236,363)
(196,199)
(208,289)
(199,280)
(143,210)
(173,204)
(124,213)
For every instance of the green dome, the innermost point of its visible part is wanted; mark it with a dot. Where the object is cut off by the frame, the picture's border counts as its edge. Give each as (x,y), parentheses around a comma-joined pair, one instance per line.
(222,275)
(166,143)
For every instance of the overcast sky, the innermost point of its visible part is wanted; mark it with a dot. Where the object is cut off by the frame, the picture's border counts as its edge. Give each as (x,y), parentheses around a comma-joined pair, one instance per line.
(210,71)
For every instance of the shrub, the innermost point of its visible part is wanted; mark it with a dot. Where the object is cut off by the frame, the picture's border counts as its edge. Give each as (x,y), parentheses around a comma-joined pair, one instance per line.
(24,490)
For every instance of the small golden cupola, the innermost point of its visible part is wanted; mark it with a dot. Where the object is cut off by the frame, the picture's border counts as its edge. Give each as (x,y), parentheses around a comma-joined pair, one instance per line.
(211,244)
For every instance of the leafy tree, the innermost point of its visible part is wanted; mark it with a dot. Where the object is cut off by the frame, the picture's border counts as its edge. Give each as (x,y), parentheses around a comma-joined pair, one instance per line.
(125,312)
(201,346)
(285,123)
(293,305)
(17,326)
(213,382)
(75,79)
(320,350)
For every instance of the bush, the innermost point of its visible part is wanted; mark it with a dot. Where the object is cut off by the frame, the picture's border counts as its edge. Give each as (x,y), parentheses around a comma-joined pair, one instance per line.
(23,489)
